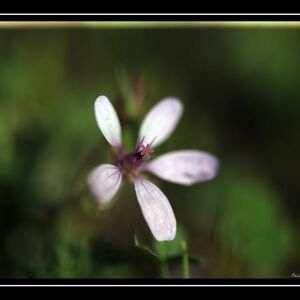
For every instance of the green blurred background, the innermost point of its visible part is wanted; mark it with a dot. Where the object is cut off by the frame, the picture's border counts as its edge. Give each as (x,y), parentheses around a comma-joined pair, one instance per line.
(240,87)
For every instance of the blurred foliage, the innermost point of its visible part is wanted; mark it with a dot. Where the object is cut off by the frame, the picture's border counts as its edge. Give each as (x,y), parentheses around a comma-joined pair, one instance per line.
(259,232)
(169,255)
(252,225)
(240,90)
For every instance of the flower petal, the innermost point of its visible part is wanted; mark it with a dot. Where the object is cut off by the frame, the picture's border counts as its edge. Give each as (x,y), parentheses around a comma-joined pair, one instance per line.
(108,121)
(104,181)
(156,209)
(161,121)
(184,167)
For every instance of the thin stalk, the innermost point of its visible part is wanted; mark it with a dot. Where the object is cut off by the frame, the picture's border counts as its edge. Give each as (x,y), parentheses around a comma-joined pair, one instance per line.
(185,261)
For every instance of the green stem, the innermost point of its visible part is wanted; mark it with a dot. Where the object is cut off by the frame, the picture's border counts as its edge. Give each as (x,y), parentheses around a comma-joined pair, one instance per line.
(185,261)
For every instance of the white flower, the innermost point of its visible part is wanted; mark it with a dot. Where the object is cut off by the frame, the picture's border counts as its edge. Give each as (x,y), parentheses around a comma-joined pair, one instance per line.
(185,167)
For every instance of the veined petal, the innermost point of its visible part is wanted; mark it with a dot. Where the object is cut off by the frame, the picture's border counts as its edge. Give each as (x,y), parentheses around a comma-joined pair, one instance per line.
(108,121)
(104,182)
(184,167)
(161,121)
(156,209)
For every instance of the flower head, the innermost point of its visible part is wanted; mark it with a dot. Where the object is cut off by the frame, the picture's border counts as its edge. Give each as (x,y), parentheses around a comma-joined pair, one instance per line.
(184,167)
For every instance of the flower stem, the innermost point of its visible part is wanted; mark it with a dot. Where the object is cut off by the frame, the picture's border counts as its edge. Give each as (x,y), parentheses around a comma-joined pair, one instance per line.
(185,261)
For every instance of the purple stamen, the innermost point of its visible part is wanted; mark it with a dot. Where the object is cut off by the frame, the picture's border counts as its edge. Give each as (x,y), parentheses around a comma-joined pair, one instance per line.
(131,162)
(153,141)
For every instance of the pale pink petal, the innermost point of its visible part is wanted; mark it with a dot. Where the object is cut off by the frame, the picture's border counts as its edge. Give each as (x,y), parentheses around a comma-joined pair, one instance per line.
(156,209)
(161,121)
(108,121)
(104,182)
(184,167)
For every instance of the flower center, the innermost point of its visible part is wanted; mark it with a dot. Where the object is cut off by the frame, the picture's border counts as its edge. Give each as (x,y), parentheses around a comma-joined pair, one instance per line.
(131,162)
